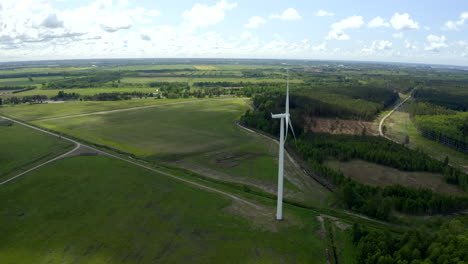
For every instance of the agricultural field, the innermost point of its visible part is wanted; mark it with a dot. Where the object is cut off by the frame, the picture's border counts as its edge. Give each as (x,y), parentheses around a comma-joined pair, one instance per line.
(29,112)
(198,135)
(208,122)
(22,148)
(101,210)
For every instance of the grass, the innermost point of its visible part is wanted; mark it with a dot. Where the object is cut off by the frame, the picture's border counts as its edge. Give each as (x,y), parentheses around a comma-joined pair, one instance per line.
(21,148)
(342,236)
(379,175)
(195,132)
(399,125)
(29,112)
(24,81)
(101,210)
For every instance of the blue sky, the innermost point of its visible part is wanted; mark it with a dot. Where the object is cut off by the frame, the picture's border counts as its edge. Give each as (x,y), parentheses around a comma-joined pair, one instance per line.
(396,31)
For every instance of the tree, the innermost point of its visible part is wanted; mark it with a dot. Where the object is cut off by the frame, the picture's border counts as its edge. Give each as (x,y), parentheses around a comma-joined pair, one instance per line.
(407,140)
(446,161)
(30,78)
(1,101)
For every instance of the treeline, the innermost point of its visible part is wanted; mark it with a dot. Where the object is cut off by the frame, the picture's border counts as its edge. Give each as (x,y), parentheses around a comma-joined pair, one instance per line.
(25,99)
(303,104)
(317,147)
(458,102)
(448,245)
(115,96)
(420,108)
(91,81)
(450,130)
(217,84)
(446,126)
(370,92)
(15,87)
(379,202)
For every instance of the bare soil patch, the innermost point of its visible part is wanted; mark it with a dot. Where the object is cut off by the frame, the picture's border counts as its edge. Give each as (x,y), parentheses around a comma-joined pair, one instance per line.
(379,175)
(232,159)
(339,126)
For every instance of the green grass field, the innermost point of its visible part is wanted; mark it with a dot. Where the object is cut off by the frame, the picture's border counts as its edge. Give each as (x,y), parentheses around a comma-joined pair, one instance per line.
(102,210)
(197,131)
(29,112)
(21,148)
(378,175)
(197,135)
(37,81)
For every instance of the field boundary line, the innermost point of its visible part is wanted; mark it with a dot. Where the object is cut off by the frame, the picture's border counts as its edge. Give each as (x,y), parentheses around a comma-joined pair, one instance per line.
(42,164)
(128,109)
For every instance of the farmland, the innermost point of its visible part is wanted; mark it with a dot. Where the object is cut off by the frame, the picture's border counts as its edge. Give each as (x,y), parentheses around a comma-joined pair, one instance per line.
(175,133)
(110,211)
(209,121)
(22,148)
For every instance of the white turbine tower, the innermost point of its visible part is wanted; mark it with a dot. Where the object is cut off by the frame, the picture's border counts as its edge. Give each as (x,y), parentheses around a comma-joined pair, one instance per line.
(285,124)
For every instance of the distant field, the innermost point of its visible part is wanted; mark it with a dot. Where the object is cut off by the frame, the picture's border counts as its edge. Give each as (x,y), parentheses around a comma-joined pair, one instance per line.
(205,67)
(37,81)
(200,79)
(86,91)
(378,175)
(44,70)
(29,112)
(22,147)
(102,210)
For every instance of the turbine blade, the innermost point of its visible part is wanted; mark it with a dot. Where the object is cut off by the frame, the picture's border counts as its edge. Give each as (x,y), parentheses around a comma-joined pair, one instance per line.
(286,127)
(292,130)
(287,92)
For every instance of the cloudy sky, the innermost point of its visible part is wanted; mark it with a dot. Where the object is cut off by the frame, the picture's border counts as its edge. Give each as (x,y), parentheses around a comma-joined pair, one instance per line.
(423,31)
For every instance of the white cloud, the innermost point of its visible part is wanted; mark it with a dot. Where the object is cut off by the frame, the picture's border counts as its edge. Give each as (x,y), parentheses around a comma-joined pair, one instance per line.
(255,21)
(52,22)
(409,45)
(398,35)
(378,46)
(403,22)
(145,37)
(246,34)
(322,13)
(378,22)
(202,15)
(154,12)
(455,25)
(321,47)
(338,28)
(435,43)
(288,14)
(115,22)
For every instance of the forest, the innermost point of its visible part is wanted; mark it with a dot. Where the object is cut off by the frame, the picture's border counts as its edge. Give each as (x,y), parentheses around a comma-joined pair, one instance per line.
(447,245)
(378,202)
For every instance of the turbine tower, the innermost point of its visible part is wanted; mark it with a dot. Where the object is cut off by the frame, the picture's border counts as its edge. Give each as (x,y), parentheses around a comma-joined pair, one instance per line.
(285,124)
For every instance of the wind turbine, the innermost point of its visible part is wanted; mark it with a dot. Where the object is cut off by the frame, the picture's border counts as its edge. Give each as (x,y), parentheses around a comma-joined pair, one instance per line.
(285,124)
